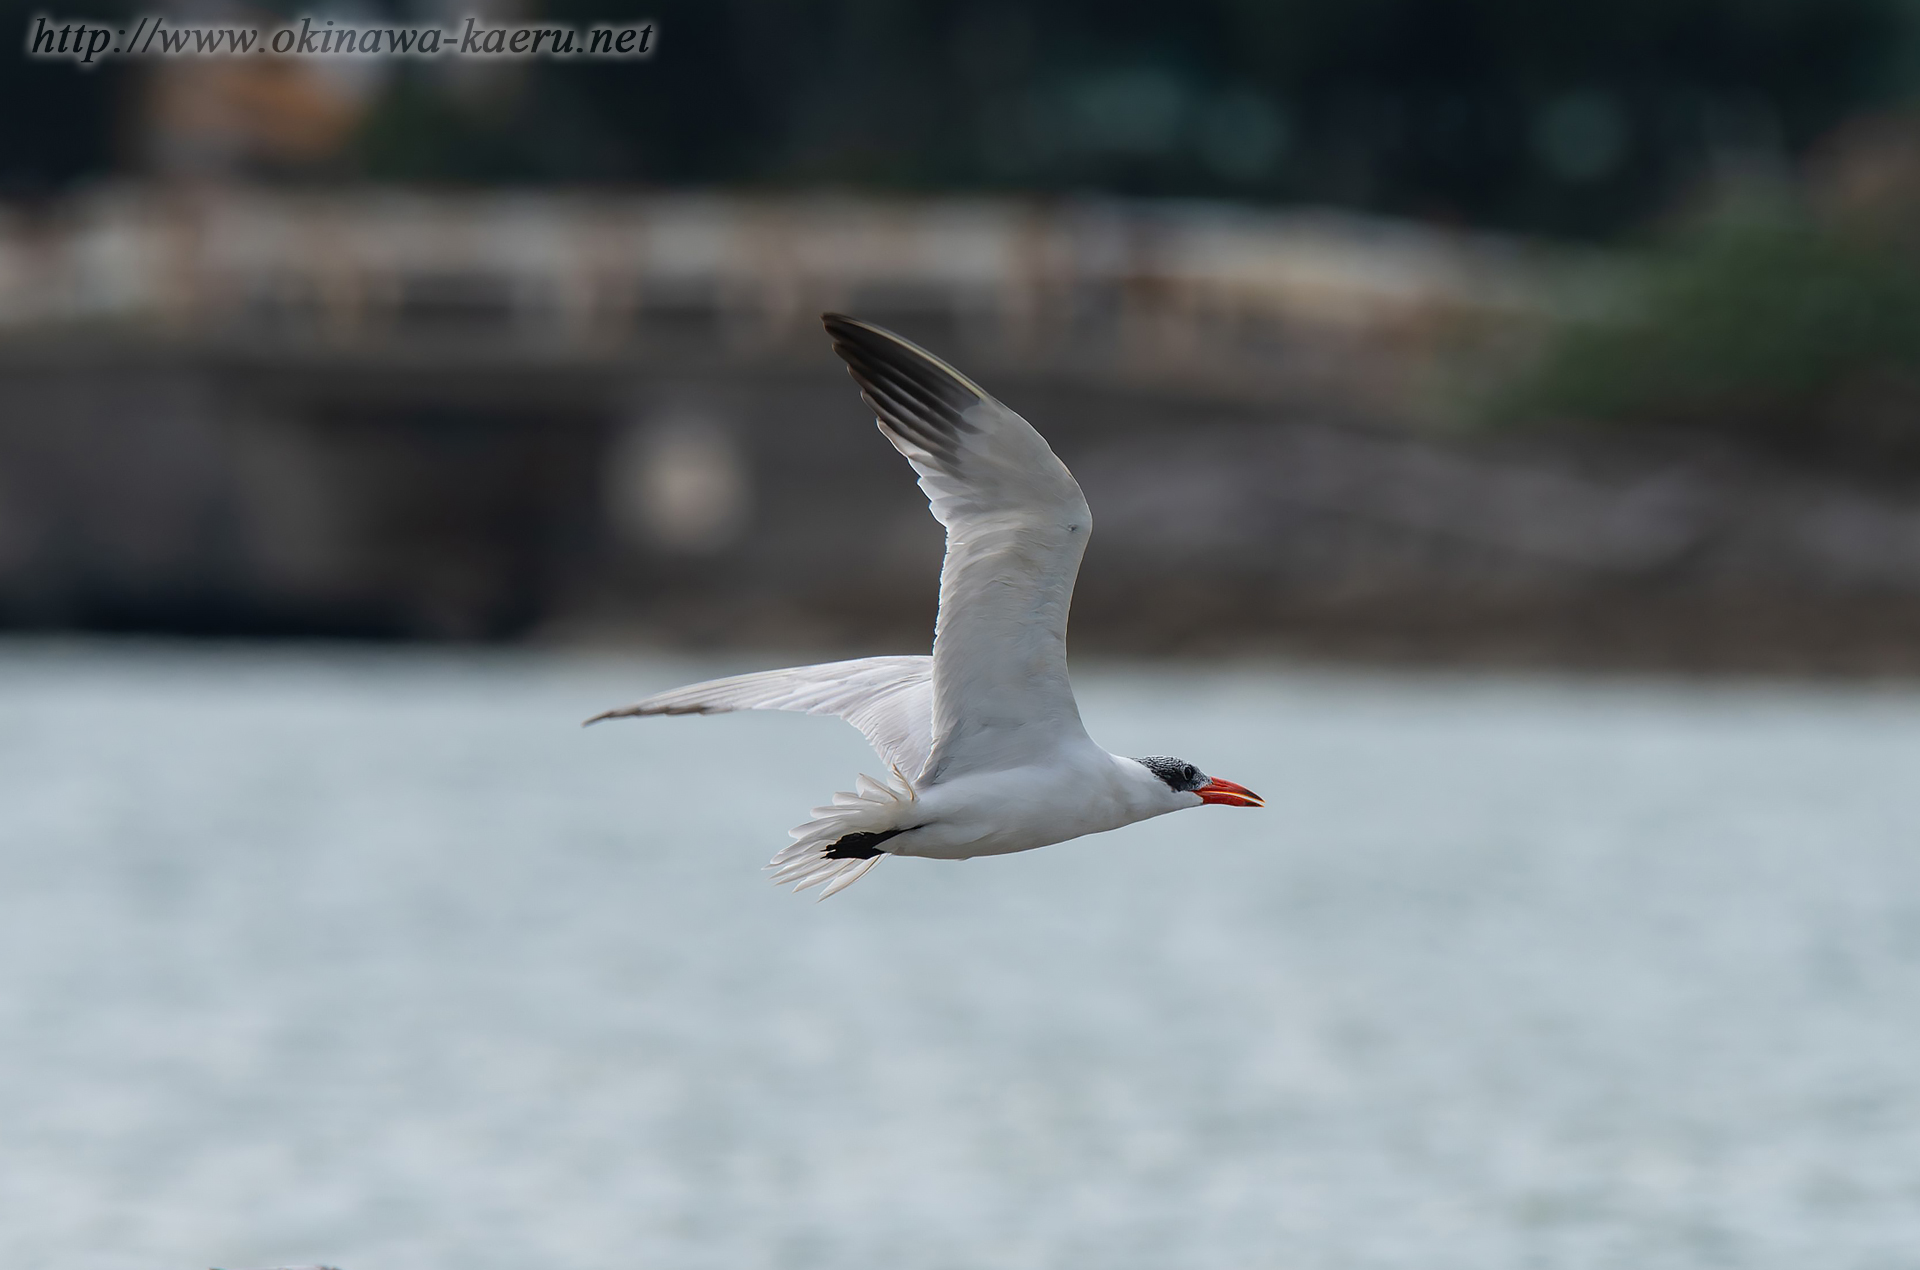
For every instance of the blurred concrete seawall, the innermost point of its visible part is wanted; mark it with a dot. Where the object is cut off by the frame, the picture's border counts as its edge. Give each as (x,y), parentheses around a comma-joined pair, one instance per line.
(468,417)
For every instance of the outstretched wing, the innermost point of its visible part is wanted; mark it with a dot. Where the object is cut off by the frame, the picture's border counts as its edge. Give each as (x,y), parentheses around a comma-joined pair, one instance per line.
(890,699)
(1016,525)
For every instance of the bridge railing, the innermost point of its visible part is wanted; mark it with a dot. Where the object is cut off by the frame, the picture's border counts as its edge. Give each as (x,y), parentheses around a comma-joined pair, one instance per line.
(1151,286)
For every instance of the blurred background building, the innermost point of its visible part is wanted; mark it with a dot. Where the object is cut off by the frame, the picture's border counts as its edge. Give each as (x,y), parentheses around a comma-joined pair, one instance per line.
(1400,329)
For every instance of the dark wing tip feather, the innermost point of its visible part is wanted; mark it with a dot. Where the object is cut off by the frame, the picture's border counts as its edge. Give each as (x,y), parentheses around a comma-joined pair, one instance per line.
(916,395)
(641,711)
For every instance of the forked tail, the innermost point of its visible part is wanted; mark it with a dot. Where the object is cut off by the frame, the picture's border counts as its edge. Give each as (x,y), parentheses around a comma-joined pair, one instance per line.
(844,840)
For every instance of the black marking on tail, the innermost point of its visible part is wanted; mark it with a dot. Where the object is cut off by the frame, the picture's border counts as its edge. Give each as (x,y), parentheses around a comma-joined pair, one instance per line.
(859,846)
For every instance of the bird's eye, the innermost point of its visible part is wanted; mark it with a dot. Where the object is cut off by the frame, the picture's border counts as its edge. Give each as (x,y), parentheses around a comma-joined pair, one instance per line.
(1189,771)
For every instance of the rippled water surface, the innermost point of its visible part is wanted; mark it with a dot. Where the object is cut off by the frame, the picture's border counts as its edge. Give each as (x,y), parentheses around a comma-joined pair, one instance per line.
(376,958)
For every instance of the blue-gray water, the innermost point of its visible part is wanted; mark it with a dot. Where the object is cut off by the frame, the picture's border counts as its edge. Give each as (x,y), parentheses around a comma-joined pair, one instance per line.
(378,959)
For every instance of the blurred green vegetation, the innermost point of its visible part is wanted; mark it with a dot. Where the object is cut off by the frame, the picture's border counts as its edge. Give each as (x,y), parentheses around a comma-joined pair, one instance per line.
(1773,327)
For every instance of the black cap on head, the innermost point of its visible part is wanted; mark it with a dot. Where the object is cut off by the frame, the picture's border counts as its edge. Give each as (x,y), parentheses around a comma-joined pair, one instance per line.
(1180,776)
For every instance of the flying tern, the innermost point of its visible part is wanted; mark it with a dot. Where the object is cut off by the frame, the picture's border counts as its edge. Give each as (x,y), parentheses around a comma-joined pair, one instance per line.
(983,743)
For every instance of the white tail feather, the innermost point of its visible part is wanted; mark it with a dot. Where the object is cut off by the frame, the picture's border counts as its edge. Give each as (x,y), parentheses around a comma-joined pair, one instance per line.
(848,877)
(876,807)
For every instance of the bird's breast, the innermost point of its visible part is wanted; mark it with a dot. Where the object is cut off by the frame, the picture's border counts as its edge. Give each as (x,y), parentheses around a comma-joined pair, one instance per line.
(997,813)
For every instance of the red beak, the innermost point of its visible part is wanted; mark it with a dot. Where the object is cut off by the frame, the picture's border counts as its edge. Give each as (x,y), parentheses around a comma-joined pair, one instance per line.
(1228,794)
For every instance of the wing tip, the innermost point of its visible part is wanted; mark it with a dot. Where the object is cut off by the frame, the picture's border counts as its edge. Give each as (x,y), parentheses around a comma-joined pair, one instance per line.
(921,400)
(650,708)
(861,336)
(846,332)
(854,340)
(838,322)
